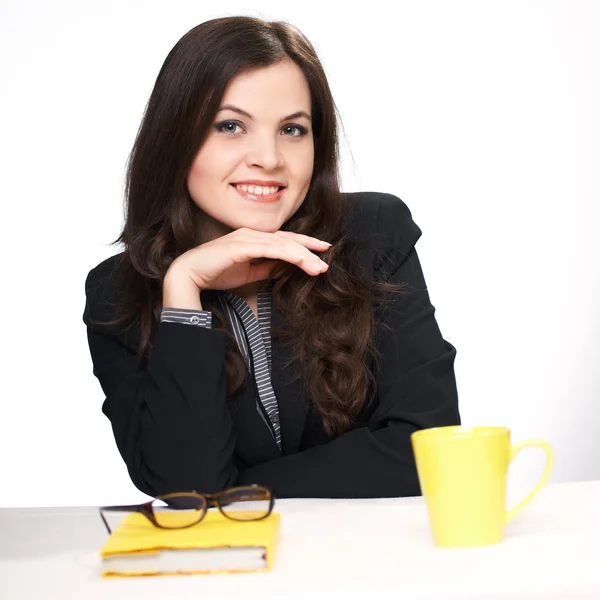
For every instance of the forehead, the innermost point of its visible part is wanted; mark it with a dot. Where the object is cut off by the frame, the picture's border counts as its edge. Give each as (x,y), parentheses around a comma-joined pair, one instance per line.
(270,91)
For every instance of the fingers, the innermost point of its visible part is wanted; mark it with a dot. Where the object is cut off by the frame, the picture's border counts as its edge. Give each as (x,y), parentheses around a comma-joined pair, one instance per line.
(285,245)
(305,240)
(299,238)
(284,250)
(313,266)
(299,245)
(301,257)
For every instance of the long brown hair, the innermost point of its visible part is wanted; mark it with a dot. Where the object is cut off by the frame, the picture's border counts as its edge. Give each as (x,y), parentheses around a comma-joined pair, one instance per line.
(330,319)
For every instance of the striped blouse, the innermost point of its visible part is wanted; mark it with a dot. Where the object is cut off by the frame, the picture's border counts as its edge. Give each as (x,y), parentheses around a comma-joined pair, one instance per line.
(254,341)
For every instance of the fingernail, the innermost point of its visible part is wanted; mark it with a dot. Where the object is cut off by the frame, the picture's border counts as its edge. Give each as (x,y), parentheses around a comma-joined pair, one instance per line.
(326,242)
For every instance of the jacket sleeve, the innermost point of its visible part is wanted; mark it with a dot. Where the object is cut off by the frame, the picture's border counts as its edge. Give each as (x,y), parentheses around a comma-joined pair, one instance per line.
(170,419)
(416,390)
(173,427)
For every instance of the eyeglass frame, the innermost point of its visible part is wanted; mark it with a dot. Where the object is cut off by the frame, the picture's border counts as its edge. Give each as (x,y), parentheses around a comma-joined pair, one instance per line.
(210,501)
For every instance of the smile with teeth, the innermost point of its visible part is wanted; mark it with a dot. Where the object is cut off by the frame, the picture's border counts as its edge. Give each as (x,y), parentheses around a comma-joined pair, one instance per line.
(258,190)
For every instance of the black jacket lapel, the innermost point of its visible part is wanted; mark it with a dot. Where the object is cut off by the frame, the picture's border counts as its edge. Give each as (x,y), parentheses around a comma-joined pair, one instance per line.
(291,395)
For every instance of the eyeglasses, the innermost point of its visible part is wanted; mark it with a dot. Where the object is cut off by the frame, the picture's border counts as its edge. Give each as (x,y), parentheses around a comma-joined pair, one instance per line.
(244,503)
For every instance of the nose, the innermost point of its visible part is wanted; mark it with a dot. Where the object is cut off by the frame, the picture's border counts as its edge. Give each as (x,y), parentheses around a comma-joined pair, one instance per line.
(264,153)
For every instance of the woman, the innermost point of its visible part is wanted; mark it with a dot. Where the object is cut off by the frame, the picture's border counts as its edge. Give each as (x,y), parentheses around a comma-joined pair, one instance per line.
(261,326)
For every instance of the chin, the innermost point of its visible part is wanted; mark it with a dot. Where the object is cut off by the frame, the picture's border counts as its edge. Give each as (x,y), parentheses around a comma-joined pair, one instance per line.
(266,225)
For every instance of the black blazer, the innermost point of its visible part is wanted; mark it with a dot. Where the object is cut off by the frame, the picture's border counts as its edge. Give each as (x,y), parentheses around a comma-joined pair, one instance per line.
(176,431)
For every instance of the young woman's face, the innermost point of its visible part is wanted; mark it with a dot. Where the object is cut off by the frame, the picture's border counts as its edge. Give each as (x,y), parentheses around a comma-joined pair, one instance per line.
(262,134)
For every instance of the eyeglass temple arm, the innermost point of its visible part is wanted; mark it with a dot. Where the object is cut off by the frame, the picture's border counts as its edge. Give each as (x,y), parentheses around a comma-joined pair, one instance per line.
(105,523)
(124,507)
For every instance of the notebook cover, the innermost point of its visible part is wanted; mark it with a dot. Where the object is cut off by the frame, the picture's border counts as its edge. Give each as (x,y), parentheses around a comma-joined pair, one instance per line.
(135,535)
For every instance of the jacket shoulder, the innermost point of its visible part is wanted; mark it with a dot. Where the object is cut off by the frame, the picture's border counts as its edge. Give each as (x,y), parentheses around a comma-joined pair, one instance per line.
(101,290)
(103,269)
(381,219)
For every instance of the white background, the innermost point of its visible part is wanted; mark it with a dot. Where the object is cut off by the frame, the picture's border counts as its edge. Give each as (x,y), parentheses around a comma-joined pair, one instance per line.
(482,116)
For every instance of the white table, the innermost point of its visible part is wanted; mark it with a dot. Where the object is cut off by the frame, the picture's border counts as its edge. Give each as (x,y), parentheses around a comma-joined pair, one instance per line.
(329,549)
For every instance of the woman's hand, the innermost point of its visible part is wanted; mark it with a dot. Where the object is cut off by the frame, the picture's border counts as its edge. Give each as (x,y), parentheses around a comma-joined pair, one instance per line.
(234,260)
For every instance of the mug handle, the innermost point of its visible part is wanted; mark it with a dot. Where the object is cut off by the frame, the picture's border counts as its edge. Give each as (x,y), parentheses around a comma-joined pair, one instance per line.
(514,450)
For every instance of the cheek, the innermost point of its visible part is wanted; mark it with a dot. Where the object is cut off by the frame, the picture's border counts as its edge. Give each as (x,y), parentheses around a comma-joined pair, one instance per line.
(196,175)
(302,167)
(212,165)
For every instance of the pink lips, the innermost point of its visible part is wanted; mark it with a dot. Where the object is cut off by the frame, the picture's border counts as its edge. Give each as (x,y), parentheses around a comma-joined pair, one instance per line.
(259,198)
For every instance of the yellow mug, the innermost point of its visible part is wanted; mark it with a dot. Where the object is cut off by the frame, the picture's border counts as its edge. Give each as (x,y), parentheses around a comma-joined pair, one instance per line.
(462,472)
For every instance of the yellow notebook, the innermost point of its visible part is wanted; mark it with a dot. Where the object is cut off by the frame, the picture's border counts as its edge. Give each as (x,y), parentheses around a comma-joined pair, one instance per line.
(215,545)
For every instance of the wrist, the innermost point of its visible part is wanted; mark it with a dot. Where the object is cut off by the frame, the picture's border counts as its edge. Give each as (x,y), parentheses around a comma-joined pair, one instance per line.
(179,290)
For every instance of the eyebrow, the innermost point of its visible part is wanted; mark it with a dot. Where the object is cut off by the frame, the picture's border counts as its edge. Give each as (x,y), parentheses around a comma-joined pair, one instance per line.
(240,111)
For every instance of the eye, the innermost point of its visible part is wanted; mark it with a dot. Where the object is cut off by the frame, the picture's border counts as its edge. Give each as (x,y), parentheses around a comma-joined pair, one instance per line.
(231,128)
(290,128)
(227,127)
